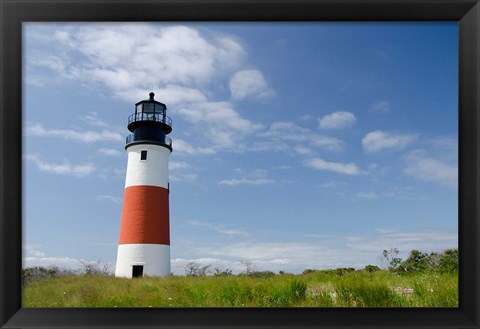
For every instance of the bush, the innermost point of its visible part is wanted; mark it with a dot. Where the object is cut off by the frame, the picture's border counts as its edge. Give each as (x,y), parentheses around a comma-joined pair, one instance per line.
(261,274)
(30,274)
(416,261)
(95,268)
(344,270)
(194,269)
(371,268)
(448,262)
(391,259)
(219,272)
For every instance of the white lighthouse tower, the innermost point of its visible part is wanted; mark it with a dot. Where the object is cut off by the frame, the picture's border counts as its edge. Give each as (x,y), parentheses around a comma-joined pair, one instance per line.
(144,244)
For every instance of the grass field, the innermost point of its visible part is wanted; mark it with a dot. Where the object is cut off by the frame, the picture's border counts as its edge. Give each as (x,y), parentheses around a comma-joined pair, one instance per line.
(314,289)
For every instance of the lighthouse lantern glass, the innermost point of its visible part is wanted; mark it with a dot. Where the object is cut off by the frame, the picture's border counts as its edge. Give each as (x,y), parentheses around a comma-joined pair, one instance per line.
(148,107)
(138,108)
(158,108)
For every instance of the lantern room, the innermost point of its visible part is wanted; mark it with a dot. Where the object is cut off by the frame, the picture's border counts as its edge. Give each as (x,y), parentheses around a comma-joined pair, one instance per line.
(150,112)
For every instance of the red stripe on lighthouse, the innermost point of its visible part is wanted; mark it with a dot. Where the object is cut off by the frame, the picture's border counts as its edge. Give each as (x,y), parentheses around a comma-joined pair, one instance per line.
(145,216)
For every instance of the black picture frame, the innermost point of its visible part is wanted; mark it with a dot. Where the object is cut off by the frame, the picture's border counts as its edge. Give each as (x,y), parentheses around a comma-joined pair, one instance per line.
(14,12)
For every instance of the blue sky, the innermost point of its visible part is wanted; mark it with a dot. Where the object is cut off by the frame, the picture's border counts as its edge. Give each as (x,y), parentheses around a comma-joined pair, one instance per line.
(296,145)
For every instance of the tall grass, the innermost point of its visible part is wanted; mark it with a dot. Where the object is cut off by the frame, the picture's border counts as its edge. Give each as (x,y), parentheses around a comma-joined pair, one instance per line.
(315,289)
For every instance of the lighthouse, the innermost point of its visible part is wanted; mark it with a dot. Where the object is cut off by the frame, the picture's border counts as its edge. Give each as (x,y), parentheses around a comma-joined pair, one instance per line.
(144,244)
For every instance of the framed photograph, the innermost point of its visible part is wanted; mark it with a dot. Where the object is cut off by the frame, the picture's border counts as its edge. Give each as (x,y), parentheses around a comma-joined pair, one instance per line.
(311,163)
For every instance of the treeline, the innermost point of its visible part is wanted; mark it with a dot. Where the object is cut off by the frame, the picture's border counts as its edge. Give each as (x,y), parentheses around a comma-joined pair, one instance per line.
(417,261)
(30,274)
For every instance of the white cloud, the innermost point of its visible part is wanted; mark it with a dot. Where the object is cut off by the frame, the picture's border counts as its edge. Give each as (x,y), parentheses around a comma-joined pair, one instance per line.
(170,94)
(180,64)
(233,232)
(51,62)
(111,198)
(249,83)
(268,146)
(245,181)
(254,177)
(320,252)
(219,124)
(337,120)
(381,106)
(291,132)
(133,58)
(367,195)
(65,168)
(174,165)
(406,240)
(62,262)
(378,140)
(325,142)
(32,250)
(288,131)
(221,229)
(429,169)
(329,251)
(93,120)
(110,152)
(445,148)
(302,150)
(183,178)
(37,129)
(341,168)
(184,147)
(331,184)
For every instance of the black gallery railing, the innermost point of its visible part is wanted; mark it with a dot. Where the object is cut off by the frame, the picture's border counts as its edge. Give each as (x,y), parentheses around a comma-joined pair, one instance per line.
(143,116)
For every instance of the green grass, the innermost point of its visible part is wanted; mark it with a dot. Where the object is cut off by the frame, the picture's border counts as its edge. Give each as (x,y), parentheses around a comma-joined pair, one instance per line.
(315,289)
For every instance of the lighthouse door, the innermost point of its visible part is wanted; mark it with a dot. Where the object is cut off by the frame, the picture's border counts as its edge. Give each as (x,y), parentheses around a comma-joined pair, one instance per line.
(137,271)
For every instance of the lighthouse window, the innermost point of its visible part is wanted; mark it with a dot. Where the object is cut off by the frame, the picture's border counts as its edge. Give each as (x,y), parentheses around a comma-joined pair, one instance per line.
(148,107)
(143,155)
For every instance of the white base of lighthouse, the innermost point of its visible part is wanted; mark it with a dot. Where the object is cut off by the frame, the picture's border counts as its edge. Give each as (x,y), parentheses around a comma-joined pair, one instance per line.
(149,259)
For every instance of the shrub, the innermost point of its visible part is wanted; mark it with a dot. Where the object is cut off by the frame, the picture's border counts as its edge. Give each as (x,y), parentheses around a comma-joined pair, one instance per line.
(448,262)
(30,274)
(219,272)
(344,270)
(194,269)
(416,261)
(95,268)
(261,274)
(391,259)
(371,268)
